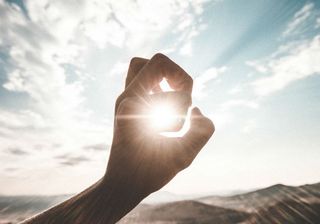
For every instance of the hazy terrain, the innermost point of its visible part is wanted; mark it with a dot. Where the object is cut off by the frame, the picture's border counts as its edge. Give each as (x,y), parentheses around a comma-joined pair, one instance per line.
(275,204)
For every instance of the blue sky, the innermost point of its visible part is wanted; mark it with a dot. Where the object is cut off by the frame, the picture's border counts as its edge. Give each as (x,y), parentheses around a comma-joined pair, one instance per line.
(255,65)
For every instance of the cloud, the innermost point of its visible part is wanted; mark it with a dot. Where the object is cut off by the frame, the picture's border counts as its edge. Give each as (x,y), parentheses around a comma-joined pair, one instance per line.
(300,62)
(185,42)
(258,66)
(11,169)
(39,46)
(44,37)
(17,151)
(299,19)
(239,102)
(201,81)
(120,68)
(38,49)
(23,119)
(186,49)
(72,160)
(98,147)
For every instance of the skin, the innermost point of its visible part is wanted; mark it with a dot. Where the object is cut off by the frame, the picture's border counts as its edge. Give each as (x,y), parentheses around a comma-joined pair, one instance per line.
(141,161)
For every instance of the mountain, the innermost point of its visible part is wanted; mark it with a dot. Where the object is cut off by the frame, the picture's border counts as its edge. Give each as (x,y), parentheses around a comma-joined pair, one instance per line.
(275,204)
(253,201)
(18,208)
(185,212)
(288,211)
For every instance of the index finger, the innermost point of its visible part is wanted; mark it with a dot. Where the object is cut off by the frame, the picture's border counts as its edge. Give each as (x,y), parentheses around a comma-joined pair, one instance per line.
(136,64)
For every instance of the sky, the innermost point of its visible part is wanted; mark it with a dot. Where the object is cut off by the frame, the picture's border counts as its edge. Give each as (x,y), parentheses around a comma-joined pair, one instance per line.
(256,71)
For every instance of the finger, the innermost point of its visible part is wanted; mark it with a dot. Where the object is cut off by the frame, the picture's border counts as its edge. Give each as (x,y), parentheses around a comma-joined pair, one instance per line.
(130,111)
(129,120)
(159,67)
(157,89)
(135,66)
(201,129)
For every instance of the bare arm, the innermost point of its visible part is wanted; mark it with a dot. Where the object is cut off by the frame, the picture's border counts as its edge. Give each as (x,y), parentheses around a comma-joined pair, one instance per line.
(141,161)
(103,202)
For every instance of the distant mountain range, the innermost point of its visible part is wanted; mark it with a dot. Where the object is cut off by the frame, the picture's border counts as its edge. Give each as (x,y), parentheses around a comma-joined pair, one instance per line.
(275,204)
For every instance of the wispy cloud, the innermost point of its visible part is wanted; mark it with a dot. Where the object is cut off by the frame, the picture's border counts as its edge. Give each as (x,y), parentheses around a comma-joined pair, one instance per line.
(47,39)
(17,151)
(300,62)
(72,160)
(239,103)
(299,19)
(119,68)
(294,60)
(201,81)
(99,146)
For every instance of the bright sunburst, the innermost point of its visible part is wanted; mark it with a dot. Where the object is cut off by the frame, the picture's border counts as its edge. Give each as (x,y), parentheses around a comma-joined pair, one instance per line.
(163,116)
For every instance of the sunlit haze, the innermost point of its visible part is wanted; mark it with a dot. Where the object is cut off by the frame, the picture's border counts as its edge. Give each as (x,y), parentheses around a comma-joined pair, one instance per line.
(256,71)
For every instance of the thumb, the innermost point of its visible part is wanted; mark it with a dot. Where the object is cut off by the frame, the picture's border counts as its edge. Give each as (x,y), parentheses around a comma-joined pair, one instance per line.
(201,129)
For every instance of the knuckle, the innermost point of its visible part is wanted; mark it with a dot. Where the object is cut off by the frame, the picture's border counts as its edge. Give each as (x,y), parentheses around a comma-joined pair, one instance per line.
(189,81)
(119,99)
(159,57)
(209,126)
(123,105)
(183,161)
(135,60)
(186,163)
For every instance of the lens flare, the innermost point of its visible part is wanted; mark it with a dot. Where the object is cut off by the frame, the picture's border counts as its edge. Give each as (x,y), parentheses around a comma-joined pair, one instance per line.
(163,116)
(168,115)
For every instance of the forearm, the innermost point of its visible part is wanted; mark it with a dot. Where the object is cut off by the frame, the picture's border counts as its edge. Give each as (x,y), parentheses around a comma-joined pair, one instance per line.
(104,202)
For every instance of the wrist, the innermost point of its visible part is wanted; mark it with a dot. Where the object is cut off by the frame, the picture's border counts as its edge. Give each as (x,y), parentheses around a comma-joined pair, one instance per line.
(122,187)
(119,197)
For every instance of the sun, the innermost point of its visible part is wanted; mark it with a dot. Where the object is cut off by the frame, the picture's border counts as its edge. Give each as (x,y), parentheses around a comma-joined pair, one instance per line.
(163,116)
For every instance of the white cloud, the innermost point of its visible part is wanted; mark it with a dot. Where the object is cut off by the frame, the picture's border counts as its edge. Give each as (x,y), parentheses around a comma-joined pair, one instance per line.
(146,21)
(299,18)
(61,33)
(186,49)
(300,62)
(256,65)
(239,102)
(120,68)
(186,39)
(201,81)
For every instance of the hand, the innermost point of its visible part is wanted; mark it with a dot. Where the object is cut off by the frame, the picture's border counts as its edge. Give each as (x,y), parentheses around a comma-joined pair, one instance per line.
(142,160)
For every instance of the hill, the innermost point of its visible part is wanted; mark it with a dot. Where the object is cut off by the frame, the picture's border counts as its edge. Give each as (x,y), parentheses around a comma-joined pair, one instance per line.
(185,212)
(275,204)
(253,201)
(288,211)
